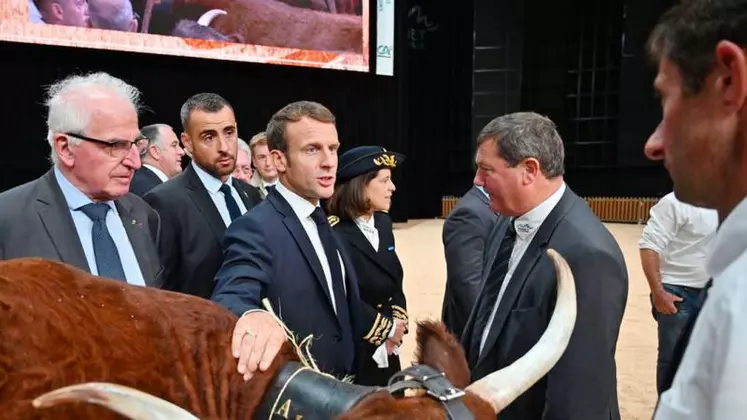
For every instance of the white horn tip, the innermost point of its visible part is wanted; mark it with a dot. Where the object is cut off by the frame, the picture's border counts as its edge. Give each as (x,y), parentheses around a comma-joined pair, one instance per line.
(129,402)
(207,18)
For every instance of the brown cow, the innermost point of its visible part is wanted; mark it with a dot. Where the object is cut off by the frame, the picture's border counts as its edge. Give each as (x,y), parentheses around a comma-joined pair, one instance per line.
(63,328)
(277,24)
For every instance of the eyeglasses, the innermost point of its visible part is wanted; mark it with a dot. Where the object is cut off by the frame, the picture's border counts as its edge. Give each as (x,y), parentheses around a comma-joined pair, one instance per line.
(117,148)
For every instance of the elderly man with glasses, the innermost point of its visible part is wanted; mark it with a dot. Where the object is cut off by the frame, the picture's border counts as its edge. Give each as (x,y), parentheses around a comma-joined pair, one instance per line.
(81,212)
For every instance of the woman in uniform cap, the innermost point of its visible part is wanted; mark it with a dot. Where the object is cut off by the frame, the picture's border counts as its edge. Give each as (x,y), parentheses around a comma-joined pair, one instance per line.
(358,209)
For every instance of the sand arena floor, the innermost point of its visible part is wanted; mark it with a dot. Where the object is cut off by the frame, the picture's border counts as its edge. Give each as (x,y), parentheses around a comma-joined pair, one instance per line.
(421,252)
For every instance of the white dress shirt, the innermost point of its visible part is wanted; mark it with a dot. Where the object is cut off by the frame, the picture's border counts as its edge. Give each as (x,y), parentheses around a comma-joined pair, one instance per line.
(159,173)
(83,224)
(212,185)
(303,209)
(711,382)
(682,235)
(526,227)
(369,231)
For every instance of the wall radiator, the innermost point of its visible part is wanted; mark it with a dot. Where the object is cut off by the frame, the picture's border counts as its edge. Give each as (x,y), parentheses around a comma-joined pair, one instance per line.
(607,209)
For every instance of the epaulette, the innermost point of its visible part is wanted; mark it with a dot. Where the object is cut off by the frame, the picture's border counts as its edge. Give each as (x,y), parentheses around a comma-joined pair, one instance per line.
(333,220)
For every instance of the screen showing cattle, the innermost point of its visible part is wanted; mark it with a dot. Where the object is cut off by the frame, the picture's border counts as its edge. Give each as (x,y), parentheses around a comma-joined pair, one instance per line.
(313,33)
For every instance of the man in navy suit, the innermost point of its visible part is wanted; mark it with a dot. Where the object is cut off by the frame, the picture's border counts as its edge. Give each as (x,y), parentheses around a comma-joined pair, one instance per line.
(285,250)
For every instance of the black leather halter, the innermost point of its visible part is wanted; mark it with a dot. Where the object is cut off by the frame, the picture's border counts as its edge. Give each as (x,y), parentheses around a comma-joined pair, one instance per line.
(435,385)
(298,392)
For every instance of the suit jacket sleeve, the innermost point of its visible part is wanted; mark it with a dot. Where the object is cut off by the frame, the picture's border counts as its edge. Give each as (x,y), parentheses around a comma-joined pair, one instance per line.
(376,327)
(576,387)
(246,269)
(464,248)
(167,237)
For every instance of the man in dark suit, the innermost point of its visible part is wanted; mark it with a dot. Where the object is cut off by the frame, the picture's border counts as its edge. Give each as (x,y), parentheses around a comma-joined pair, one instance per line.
(465,232)
(80,212)
(162,159)
(286,251)
(520,165)
(198,205)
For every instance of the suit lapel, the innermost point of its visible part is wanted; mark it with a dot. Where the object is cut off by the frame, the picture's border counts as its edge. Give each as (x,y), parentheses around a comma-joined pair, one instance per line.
(139,239)
(242,193)
(204,203)
(55,216)
(534,252)
(302,239)
(356,238)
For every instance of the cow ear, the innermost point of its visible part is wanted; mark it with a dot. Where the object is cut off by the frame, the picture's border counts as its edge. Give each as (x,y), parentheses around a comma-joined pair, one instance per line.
(440,349)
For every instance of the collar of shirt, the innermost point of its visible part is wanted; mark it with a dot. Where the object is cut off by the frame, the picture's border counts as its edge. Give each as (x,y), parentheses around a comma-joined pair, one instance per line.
(526,225)
(730,241)
(73,196)
(211,183)
(159,173)
(367,225)
(302,207)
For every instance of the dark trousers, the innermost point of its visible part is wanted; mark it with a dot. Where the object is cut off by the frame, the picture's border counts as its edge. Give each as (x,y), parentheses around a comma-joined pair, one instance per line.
(671,329)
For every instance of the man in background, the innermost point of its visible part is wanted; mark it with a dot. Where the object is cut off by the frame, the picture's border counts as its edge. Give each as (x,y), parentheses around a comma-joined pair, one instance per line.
(162,159)
(198,205)
(464,235)
(64,12)
(265,174)
(674,247)
(80,212)
(243,169)
(115,15)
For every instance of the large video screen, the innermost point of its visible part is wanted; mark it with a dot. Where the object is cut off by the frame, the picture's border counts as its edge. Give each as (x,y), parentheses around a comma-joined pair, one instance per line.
(313,33)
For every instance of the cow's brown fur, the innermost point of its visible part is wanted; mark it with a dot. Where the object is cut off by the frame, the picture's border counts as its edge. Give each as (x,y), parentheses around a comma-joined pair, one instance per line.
(277,24)
(61,326)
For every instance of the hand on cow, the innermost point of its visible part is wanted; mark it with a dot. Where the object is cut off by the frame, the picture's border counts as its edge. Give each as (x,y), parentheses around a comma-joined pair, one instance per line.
(257,339)
(664,302)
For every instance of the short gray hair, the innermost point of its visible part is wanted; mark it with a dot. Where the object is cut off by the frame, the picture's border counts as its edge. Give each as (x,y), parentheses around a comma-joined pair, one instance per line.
(524,135)
(243,147)
(115,15)
(153,134)
(68,109)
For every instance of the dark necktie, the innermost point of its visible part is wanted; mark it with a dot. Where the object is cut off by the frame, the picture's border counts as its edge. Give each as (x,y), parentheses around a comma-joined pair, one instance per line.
(233,207)
(684,340)
(105,250)
(493,284)
(330,250)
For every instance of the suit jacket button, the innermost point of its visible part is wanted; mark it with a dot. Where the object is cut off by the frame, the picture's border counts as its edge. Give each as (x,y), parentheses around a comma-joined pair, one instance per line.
(337,337)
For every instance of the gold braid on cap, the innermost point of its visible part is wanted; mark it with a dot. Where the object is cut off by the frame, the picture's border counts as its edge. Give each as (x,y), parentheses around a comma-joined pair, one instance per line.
(386,160)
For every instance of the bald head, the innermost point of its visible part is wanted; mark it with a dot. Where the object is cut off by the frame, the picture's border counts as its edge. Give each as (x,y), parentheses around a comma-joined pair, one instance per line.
(116,15)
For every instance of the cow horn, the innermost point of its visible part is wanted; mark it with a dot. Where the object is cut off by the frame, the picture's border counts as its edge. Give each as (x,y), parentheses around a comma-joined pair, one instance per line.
(207,18)
(504,386)
(131,403)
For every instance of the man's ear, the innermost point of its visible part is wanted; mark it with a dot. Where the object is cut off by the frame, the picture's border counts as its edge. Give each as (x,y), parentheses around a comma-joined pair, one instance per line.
(280,160)
(65,154)
(186,142)
(731,75)
(532,170)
